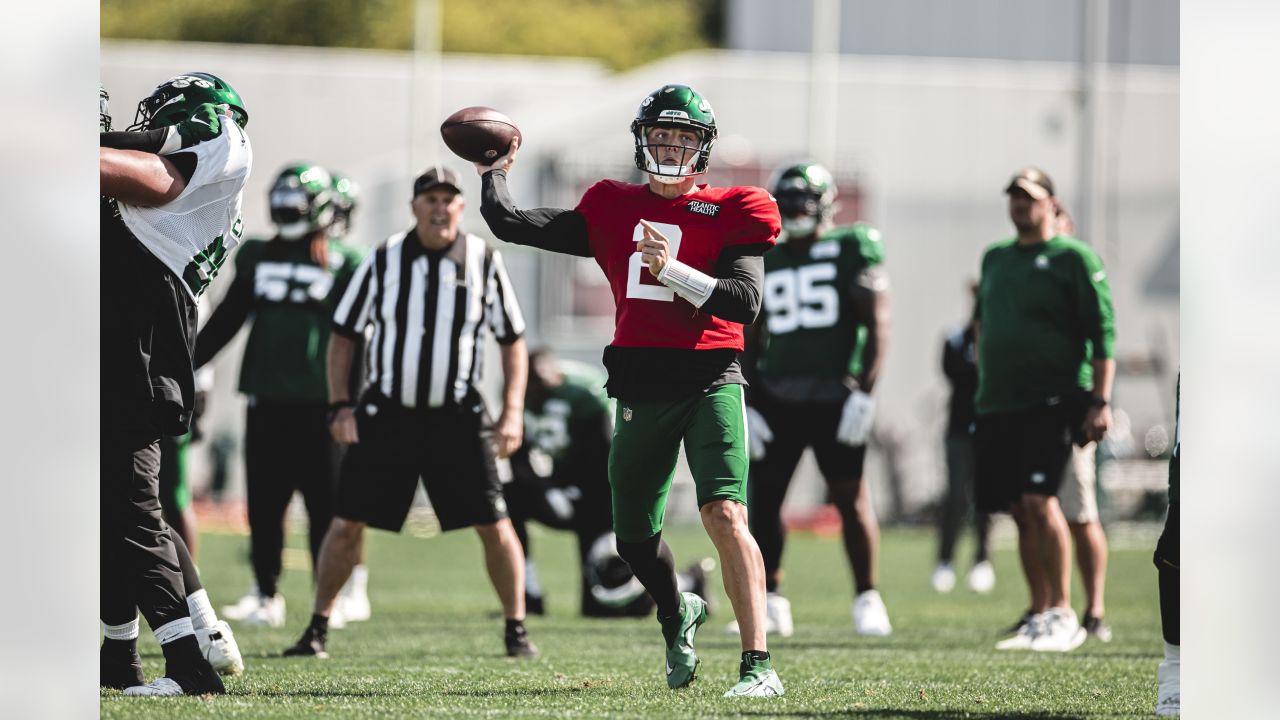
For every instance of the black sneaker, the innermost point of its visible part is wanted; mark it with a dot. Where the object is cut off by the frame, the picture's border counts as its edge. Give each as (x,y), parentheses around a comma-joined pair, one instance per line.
(311,644)
(119,669)
(1097,629)
(196,680)
(520,646)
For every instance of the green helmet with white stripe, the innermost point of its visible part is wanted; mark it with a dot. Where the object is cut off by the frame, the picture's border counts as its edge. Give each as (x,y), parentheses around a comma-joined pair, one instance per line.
(678,106)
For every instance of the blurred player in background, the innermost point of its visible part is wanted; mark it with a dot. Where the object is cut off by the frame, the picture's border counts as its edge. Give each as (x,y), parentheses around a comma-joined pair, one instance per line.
(960,365)
(685,265)
(1046,333)
(1079,500)
(561,479)
(819,348)
(288,285)
(1167,559)
(170,215)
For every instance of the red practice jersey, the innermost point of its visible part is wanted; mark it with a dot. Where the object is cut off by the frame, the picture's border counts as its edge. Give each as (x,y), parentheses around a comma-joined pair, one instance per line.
(698,226)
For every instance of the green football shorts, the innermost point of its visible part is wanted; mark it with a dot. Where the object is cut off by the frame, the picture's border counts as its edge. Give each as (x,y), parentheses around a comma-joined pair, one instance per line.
(646,440)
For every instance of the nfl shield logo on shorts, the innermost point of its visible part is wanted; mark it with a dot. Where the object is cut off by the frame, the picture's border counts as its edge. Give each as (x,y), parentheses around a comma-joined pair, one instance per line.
(626,414)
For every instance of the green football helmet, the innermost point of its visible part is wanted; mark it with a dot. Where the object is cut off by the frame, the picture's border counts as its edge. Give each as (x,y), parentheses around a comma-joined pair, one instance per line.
(302,200)
(345,195)
(806,195)
(674,106)
(104,109)
(176,99)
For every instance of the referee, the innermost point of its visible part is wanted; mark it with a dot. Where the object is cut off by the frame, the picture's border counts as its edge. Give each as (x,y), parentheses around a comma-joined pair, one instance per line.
(427,294)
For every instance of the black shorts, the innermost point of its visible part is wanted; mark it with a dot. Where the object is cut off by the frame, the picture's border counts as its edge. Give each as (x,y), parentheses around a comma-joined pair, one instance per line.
(450,449)
(1167,556)
(797,426)
(1021,453)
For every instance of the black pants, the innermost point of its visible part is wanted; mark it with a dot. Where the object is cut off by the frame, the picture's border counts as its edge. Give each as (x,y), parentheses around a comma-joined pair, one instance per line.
(957,502)
(287,447)
(139,561)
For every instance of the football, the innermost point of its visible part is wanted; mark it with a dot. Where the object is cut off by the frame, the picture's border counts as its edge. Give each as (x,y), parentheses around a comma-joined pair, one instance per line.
(478,134)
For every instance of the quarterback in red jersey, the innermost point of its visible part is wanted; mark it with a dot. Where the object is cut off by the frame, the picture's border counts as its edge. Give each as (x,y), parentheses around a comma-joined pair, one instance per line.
(686,268)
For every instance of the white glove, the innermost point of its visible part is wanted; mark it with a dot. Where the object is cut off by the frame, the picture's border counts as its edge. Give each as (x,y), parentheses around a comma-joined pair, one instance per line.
(855,419)
(758,433)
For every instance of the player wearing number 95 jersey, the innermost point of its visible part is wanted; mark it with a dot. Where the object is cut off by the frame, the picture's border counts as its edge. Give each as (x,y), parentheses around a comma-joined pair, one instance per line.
(818,350)
(684,262)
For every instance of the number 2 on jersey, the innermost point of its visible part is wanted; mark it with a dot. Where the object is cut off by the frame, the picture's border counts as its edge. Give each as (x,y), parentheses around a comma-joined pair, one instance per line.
(636,266)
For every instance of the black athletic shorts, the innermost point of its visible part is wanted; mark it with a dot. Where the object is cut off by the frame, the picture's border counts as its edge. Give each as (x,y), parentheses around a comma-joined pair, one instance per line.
(1021,453)
(797,426)
(451,449)
(1167,556)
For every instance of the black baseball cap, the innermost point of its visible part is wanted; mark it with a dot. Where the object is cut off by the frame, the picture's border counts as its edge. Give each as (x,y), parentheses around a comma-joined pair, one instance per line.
(1033,181)
(434,177)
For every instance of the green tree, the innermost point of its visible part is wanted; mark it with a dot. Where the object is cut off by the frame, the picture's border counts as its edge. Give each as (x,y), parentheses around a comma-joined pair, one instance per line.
(620,33)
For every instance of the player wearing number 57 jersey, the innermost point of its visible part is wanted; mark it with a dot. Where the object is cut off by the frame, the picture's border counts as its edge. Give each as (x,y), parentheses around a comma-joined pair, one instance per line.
(818,349)
(684,262)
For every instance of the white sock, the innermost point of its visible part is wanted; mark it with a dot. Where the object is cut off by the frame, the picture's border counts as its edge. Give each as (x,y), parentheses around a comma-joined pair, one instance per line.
(174,630)
(531,584)
(127,631)
(1172,653)
(202,615)
(359,577)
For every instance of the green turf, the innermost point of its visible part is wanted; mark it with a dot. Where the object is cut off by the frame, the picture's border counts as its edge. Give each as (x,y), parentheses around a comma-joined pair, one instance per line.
(434,647)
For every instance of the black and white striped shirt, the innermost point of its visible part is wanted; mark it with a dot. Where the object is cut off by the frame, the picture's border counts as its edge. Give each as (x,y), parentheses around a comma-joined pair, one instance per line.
(427,311)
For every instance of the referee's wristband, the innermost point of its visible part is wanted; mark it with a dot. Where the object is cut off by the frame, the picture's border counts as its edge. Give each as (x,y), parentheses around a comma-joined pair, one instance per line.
(1096,401)
(336,407)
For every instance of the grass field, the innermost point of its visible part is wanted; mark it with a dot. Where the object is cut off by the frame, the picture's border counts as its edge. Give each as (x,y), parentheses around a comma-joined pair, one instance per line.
(434,647)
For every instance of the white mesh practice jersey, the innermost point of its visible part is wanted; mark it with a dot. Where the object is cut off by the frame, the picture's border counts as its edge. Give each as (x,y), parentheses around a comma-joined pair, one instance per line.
(193,234)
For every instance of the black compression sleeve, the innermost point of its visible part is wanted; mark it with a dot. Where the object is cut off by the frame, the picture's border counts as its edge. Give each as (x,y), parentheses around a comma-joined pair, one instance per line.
(148,141)
(739,280)
(226,320)
(555,229)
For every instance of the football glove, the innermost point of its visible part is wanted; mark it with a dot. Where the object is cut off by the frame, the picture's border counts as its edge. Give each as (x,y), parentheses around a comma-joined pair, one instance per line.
(204,124)
(855,419)
(758,433)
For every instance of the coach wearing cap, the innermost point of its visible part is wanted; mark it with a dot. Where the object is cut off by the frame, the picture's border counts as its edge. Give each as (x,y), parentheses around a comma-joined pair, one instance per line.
(1045,341)
(426,296)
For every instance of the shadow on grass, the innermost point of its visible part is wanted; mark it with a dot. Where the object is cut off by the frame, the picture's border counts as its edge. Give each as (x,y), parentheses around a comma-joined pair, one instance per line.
(523,692)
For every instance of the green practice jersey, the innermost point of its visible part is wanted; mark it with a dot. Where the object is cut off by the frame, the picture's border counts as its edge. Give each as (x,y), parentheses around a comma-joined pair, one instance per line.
(1044,312)
(812,341)
(571,423)
(290,298)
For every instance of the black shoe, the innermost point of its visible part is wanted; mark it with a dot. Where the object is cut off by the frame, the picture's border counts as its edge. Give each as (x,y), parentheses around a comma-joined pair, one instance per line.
(520,646)
(311,644)
(534,605)
(200,680)
(1097,629)
(119,669)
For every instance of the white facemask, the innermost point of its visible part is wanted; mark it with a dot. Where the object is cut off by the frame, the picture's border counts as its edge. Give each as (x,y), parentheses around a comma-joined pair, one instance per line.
(671,174)
(293,230)
(800,227)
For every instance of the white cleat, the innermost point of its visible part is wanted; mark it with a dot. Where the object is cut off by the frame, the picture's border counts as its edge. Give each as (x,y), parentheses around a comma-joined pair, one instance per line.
(766,684)
(1024,635)
(1169,696)
(943,578)
(1060,631)
(218,646)
(870,617)
(982,577)
(243,606)
(777,618)
(268,612)
(161,687)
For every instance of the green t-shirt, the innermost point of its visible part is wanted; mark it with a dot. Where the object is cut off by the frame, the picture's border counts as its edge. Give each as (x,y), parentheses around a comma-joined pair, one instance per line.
(812,340)
(1045,311)
(290,299)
